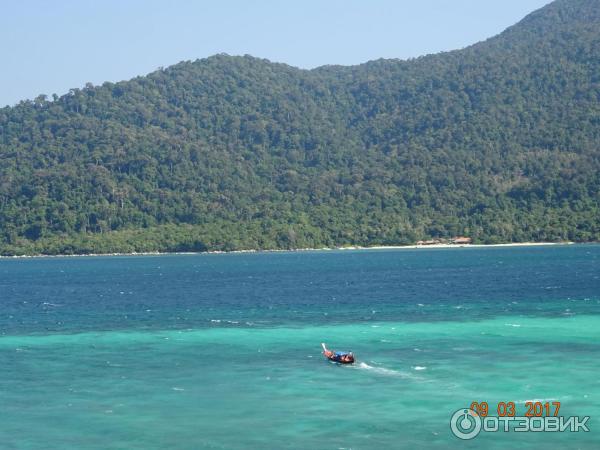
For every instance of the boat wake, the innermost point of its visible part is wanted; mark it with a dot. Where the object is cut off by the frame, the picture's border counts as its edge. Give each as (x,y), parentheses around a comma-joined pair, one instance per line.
(383,371)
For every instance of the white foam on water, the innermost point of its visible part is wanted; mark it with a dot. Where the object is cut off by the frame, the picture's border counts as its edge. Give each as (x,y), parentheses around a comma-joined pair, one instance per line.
(178,389)
(382,371)
(512,324)
(420,368)
(541,400)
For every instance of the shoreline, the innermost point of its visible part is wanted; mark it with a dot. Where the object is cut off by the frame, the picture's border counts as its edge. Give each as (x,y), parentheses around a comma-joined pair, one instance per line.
(347,248)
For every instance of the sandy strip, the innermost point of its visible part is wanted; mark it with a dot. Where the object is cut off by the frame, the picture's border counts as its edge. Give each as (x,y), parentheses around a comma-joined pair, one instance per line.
(374,247)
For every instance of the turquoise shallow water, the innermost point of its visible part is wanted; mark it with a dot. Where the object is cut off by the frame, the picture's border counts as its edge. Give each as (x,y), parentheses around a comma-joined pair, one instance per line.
(222,351)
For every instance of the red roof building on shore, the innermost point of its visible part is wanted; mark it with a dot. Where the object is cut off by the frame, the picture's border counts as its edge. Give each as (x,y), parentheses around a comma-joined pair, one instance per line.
(462,240)
(430,242)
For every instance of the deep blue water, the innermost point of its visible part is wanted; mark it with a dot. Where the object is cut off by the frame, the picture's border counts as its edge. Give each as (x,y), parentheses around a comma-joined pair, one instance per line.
(293,289)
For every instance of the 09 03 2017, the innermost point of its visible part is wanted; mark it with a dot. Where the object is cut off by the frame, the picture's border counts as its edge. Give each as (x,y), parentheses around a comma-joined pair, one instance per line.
(509,409)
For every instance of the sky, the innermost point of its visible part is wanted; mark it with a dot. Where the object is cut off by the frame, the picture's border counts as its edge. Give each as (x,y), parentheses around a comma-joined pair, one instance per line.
(51,46)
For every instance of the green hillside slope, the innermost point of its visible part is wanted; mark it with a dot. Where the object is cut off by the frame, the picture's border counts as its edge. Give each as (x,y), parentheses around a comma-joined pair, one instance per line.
(499,141)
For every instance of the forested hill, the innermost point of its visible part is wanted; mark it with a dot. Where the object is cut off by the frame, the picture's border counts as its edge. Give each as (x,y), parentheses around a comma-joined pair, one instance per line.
(499,141)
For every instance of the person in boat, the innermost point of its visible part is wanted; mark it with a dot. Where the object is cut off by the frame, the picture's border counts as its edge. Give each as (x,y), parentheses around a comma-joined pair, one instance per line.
(347,358)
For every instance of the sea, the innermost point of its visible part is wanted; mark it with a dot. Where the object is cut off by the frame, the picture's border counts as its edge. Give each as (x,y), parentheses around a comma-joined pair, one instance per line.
(223,351)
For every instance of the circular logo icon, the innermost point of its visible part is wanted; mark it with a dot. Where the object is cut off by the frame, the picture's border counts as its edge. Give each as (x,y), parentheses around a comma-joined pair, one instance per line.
(465,424)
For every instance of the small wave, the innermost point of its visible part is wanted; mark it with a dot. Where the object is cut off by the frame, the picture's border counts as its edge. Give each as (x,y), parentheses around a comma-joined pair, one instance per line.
(231,322)
(178,389)
(536,400)
(382,371)
(420,368)
(512,324)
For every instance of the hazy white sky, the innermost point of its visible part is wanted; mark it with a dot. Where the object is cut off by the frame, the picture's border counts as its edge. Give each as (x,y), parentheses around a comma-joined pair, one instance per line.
(52,46)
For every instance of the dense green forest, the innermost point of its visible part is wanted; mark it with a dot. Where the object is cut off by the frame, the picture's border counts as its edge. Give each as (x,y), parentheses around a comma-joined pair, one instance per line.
(499,141)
